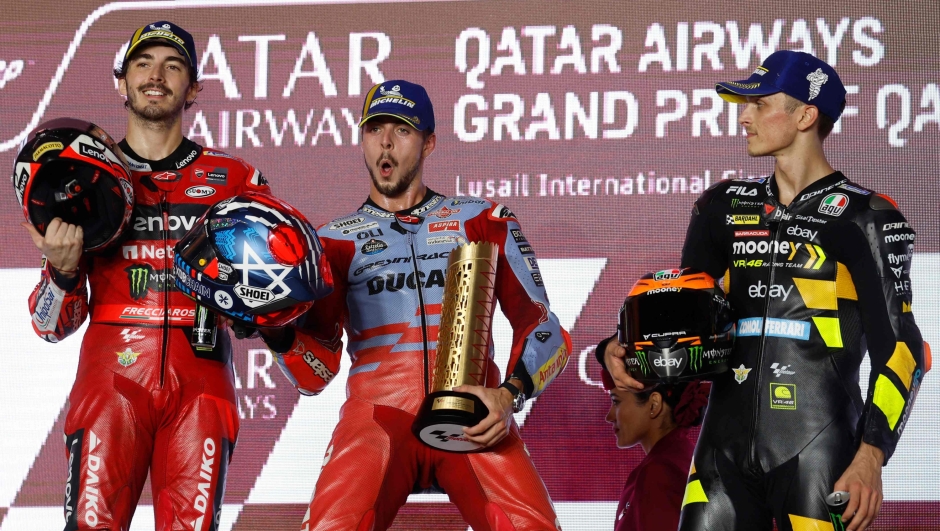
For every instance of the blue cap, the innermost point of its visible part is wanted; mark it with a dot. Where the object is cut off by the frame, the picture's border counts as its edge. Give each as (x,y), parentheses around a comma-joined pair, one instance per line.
(796,74)
(406,101)
(165,33)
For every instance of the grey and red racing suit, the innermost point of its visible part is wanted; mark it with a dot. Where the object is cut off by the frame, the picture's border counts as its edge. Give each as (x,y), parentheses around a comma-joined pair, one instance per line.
(814,284)
(389,271)
(143,398)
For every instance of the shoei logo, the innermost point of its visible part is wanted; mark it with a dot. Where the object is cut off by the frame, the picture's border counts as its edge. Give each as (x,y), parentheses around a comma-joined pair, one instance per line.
(253,296)
(200,191)
(347,223)
(833,204)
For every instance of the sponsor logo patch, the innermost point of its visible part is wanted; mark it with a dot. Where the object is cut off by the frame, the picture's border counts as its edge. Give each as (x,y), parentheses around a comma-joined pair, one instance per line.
(127,357)
(754,326)
(740,374)
(373,246)
(742,219)
(833,204)
(48,146)
(441,226)
(782,396)
(751,233)
(199,191)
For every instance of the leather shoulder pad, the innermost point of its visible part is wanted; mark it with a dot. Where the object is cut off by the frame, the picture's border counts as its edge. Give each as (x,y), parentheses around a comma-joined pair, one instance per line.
(882,202)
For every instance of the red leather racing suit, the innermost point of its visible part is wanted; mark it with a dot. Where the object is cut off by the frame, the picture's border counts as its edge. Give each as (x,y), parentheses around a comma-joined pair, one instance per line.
(389,273)
(143,398)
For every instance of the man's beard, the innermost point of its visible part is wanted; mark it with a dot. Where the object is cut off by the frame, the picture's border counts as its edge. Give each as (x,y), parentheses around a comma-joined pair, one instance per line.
(153,113)
(395,189)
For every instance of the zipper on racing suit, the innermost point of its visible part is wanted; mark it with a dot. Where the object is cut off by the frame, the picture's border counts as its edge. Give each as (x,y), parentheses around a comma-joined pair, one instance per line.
(755,414)
(165,212)
(424,324)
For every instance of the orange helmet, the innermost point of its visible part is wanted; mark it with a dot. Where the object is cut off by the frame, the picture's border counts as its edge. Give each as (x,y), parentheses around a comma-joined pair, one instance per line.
(676,326)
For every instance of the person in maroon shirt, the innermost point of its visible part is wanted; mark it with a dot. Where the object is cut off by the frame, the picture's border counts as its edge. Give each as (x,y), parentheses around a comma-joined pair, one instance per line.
(655,418)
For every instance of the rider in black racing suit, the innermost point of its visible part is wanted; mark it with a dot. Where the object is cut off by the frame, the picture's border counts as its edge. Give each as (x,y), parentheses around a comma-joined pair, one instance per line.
(813,284)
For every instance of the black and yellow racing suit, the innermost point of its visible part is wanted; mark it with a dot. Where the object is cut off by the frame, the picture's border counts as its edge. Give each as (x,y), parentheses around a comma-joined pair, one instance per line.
(813,285)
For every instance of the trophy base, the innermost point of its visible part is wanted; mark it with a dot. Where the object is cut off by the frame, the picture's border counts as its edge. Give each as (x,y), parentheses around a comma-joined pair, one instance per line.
(442,416)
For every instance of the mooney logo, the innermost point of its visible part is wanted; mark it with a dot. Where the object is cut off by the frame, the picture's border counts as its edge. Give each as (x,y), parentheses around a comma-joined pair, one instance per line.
(891,238)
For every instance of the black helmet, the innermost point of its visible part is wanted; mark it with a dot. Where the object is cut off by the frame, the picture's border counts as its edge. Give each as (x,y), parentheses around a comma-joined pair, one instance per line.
(72,169)
(676,326)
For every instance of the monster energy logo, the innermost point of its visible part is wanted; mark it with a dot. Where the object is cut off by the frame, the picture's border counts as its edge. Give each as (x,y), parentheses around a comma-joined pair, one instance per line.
(734,202)
(644,363)
(695,358)
(143,278)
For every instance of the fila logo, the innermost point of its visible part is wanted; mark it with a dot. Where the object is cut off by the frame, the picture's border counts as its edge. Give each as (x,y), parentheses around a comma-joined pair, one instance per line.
(742,190)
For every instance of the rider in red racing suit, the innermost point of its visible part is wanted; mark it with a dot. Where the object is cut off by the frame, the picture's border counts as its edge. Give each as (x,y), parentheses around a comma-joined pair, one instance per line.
(388,270)
(144,398)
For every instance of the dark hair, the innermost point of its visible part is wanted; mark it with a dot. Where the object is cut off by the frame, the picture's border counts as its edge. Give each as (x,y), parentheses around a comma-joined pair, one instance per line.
(686,401)
(193,79)
(824,123)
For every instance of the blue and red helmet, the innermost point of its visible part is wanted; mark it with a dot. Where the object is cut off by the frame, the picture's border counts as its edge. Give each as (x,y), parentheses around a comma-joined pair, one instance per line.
(254,259)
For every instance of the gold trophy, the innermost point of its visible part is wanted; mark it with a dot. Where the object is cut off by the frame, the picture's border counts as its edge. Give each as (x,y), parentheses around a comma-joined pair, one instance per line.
(463,349)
